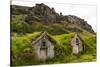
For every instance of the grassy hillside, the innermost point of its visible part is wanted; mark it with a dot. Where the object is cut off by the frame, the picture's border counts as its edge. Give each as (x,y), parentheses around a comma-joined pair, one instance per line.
(23,33)
(23,52)
(20,26)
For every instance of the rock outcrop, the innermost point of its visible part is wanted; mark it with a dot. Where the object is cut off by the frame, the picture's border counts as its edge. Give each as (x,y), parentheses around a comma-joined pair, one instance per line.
(44,14)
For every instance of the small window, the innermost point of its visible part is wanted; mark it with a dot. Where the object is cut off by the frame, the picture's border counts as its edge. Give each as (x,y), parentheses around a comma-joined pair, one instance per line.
(43,44)
(77,41)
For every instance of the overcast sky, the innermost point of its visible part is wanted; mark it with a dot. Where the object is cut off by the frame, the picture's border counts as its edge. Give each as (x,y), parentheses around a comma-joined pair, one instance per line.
(86,12)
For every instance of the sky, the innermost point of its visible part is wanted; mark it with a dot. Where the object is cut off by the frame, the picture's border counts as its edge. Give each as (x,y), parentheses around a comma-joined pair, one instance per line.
(86,12)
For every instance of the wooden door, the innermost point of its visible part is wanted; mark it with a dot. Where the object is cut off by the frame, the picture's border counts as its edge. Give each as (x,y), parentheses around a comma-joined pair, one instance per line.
(43,53)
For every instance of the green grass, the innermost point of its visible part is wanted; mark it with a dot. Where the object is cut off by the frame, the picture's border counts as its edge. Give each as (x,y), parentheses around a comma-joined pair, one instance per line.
(63,50)
(64,39)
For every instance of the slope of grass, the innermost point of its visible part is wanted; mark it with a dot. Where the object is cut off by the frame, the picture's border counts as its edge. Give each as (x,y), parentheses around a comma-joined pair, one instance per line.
(64,39)
(20,26)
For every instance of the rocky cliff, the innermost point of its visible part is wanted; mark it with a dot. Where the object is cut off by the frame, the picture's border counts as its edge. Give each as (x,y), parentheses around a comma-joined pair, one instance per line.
(42,13)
